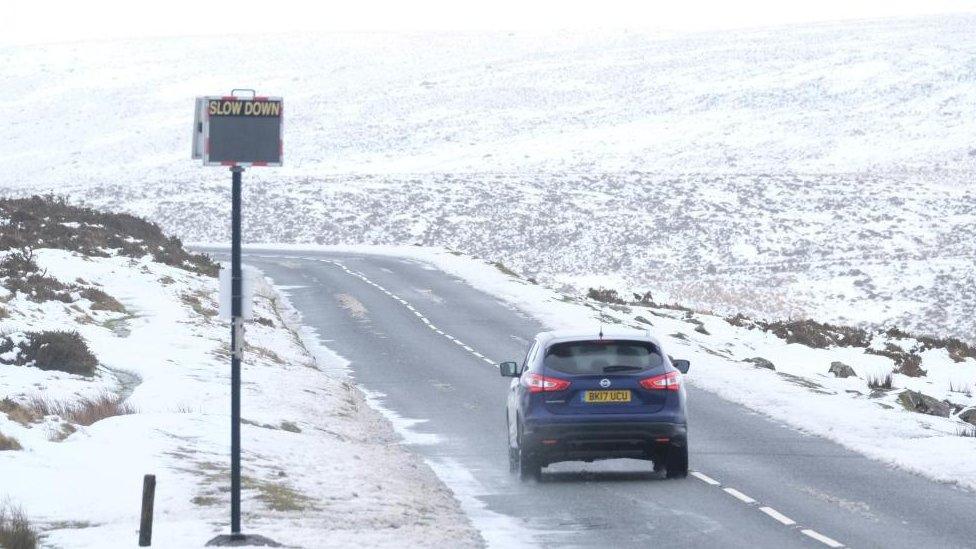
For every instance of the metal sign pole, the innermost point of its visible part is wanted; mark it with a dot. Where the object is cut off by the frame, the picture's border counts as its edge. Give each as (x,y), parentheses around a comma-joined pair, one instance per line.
(230,131)
(236,343)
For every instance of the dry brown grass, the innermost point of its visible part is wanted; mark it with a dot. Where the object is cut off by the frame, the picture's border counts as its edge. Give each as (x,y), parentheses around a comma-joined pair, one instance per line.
(101,301)
(17,412)
(82,412)
(9,443)
(198,306)
(16,531)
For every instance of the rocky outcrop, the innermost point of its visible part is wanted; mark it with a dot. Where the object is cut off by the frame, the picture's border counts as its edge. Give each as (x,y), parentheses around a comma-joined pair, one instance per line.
(839,369)
(914,401)
(968,415)
(761,362)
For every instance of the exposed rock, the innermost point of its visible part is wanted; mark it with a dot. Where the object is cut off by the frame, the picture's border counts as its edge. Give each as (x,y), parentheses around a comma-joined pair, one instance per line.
(806,383)
(917,402)
(761,362)
(968,415)
(839,369)
(699,325)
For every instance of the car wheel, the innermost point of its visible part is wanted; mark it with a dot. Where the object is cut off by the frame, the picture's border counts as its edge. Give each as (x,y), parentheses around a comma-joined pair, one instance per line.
(513,456)
(528,466)
(659,456)
(678,461)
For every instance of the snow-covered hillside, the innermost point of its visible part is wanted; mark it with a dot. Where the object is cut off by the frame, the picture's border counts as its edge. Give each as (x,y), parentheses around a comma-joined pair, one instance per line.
(821,98)
(819,170)
(846,249)
(818,98)
(147,391)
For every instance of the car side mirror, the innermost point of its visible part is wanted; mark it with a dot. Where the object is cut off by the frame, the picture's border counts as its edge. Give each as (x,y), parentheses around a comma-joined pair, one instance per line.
(509,369)
(682,365)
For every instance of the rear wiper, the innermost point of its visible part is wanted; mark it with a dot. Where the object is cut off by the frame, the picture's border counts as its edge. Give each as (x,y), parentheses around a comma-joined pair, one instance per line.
(620,368)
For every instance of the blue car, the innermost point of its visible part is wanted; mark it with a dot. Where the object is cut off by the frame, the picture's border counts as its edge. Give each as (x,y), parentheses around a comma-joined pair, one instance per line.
(581,396)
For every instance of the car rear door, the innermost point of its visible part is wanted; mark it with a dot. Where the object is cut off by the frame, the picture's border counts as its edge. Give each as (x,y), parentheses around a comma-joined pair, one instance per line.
(604,377)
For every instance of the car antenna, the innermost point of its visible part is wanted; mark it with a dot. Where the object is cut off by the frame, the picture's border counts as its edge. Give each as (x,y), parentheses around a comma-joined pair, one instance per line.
(601,320)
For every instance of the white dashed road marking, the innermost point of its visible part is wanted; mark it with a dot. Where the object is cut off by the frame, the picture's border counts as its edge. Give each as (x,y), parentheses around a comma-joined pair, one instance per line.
(776,515)
(822,538)
(780,517)
(412,309)
(739,495)
(705,478)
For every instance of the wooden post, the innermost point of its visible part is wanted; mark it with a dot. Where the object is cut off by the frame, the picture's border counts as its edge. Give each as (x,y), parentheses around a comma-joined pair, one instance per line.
(148,495)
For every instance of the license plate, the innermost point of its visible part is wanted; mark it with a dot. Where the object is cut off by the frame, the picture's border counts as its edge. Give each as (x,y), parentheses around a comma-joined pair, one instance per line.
(606,396)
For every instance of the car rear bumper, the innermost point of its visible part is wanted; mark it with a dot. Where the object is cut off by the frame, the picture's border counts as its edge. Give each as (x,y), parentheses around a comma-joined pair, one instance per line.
(604,440)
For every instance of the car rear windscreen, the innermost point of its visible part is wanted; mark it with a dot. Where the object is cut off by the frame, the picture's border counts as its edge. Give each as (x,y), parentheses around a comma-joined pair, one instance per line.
(602,357)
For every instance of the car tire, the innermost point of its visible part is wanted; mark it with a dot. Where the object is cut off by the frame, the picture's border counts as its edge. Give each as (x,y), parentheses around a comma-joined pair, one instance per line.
(513,456)
(659,457)
(528,466)
(677,465)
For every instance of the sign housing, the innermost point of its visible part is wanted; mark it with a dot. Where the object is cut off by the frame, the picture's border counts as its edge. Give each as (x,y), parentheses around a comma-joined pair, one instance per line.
(238,131)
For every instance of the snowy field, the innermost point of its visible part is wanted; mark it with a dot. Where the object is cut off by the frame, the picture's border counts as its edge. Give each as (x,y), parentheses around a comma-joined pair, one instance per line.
(820,170)
(321,468)
(798,391)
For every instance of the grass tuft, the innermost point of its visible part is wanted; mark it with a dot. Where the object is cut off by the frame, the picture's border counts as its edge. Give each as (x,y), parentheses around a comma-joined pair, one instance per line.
(278,496)
(195,303)
(961,387)
(16,532)
(82,412)
(101,301)
(968,431)
(9,443)
(17,412)
(879,381)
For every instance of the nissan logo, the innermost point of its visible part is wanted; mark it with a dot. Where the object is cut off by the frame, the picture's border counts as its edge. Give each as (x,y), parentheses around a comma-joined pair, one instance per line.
(604,383)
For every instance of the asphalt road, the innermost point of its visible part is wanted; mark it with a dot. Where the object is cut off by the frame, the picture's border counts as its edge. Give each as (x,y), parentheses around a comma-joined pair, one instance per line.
(758,483)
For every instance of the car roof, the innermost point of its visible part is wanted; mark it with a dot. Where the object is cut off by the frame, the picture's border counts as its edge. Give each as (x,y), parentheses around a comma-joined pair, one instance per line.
(593,334)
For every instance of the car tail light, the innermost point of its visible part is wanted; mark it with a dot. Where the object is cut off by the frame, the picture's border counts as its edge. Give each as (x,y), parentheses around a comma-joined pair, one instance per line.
(670,381)
(539,384)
